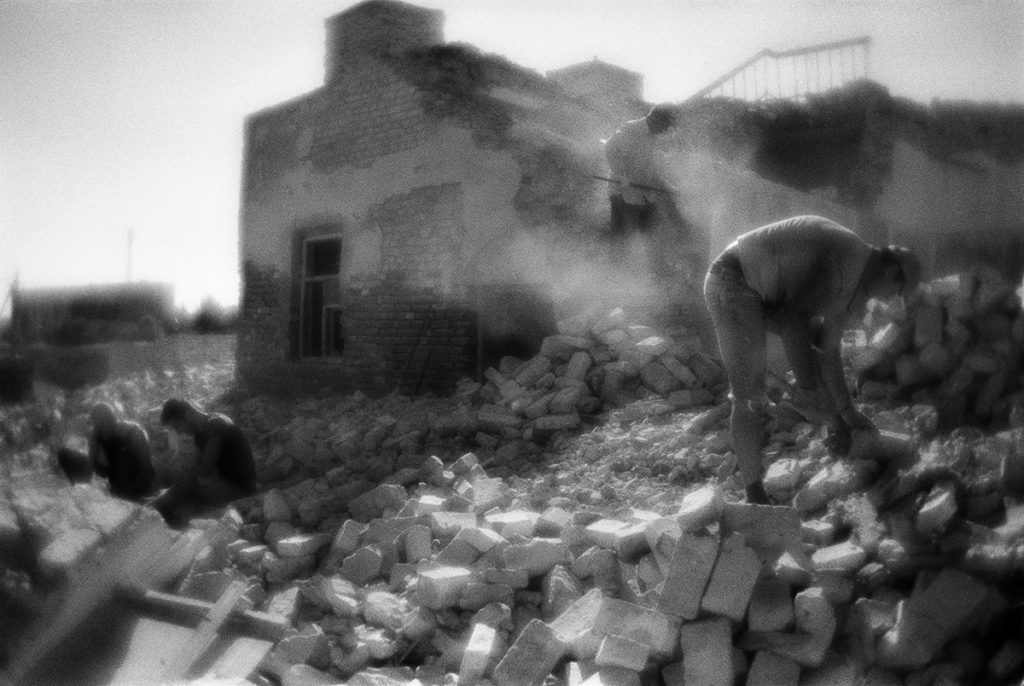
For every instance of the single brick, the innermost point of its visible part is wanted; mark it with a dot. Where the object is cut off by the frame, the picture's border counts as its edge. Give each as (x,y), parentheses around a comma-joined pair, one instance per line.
(442,587)
(732,580)
(475,661)
(654,629)
(771,606)
(537,556)
(700,508)
(845,558)
(687,576)
(531,657)
(707,652)
(771,670)
(521,522)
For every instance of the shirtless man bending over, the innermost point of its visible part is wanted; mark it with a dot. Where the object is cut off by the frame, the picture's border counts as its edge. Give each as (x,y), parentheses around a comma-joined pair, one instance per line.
(805,279)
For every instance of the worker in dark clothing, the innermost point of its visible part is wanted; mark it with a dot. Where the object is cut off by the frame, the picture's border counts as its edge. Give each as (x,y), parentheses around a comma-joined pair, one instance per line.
(118,450)
(644,203)
(804,279)
(225,470)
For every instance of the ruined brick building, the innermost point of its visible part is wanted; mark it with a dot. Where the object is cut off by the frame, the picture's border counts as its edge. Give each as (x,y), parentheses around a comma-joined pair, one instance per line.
(430,208)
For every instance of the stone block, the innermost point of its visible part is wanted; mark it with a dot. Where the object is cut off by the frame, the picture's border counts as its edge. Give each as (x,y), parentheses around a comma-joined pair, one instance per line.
(483,642)
(537,556)
(771,670)
(552,521)
(732,580)
(531,371)
(347,540)
(278,531)
(442,587)
(687,576)
(930,618)
(700,508)
(765,528)
(771,606)
(612,676)
(654,629)
(843,558)
(707,652)
(531,657)
(577,620)
(619,651)
(458,553)
(364,565)
(278,569)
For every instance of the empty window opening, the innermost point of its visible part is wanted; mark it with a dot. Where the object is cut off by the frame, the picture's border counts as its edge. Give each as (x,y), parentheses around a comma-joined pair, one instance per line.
(321,333)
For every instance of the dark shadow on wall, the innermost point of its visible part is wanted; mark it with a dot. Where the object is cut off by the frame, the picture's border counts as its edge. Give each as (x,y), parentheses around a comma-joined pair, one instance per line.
(513,320)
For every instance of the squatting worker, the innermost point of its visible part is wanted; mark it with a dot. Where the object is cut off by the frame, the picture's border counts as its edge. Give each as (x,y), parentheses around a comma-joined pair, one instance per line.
(804,279)
(225,470)
(118,450)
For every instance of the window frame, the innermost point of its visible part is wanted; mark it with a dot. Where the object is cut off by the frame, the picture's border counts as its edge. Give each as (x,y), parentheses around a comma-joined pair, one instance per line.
(303,281)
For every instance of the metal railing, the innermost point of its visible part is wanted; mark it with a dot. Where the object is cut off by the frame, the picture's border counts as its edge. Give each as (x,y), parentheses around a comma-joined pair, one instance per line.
(793,74)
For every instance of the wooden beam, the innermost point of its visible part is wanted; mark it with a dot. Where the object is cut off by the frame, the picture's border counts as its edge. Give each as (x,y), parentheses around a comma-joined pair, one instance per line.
(205,634)
(262,624)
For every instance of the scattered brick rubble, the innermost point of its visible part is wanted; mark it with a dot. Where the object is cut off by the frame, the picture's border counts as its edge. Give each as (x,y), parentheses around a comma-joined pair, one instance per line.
(574,520)
(960,341)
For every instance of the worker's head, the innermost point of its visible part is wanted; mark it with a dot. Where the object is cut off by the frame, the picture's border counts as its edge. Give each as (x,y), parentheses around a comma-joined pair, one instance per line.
(102,417)
(660,118)
(900,271)
(176,413)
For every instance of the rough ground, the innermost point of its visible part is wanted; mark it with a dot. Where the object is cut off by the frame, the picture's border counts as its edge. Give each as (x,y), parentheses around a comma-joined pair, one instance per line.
(635,458)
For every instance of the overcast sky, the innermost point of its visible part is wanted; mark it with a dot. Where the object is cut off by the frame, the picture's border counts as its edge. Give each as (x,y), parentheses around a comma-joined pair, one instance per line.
(121,117)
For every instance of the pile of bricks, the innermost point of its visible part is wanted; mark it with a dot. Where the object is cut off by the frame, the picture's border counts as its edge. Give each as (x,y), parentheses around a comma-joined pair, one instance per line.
(960,340)
(593,363)
(446,573)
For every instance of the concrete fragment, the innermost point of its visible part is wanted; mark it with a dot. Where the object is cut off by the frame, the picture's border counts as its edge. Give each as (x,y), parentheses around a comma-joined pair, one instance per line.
(707,652)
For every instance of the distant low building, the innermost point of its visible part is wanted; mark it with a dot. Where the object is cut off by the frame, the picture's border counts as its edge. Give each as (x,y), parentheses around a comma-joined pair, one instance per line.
(72,315)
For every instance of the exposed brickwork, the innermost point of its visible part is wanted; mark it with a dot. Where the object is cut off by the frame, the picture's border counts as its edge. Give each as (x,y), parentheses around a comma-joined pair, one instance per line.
(380,28)
(366,112)
(421,235)
(262,351)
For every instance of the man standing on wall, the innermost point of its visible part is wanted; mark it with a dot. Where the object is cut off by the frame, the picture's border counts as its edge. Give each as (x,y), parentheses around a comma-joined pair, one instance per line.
(642,199)
(803,278)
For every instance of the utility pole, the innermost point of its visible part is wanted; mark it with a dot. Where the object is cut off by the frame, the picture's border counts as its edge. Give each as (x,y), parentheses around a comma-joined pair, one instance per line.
(131,239)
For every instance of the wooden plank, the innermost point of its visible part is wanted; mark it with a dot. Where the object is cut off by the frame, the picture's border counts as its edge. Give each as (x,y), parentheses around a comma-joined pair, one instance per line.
(205,634)
(261,624)
(87,589)
(239,658)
